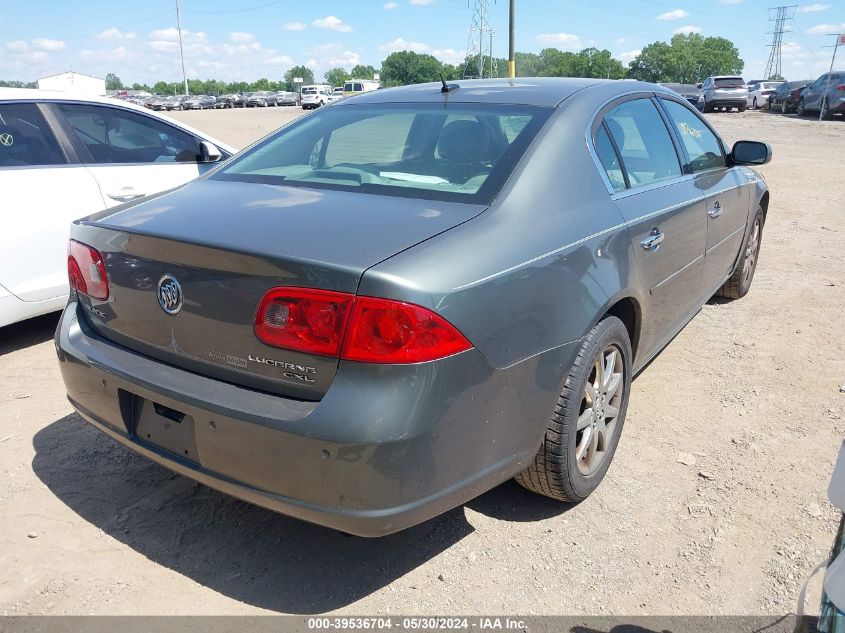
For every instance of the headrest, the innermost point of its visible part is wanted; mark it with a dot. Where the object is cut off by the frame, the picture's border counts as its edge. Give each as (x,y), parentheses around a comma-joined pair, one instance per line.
(464,140)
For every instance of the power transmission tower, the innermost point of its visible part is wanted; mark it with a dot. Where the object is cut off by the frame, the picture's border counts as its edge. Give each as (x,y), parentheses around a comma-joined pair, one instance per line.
(780,16)
(479,53)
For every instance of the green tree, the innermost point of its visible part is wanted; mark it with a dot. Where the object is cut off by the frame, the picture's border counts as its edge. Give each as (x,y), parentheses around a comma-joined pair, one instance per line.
(336,76)
(297,71)
(362,72)
(527,64)
(687,59)
(407,67)
(113,82)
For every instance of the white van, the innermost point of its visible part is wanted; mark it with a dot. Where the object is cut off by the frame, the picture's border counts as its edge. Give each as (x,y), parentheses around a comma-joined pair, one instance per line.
(316,95)
(358,86)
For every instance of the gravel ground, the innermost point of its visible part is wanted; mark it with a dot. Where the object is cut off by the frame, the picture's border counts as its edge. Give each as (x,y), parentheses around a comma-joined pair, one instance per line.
(715,503)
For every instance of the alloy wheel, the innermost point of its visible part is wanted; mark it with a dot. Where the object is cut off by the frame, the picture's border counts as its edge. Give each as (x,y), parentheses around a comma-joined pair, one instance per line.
(752,250)
(600,405)
(801,108)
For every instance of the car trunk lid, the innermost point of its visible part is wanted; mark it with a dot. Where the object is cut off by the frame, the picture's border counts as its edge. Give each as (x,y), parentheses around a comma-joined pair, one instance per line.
(227,243)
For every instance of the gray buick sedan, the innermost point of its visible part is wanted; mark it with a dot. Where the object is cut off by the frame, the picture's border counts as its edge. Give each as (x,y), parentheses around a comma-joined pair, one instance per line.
(394,304)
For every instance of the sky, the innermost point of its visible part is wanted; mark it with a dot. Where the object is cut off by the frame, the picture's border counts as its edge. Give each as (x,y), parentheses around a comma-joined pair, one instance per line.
(249,39)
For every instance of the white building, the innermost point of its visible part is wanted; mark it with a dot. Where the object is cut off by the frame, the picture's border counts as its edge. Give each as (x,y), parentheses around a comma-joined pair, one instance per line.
(74,82)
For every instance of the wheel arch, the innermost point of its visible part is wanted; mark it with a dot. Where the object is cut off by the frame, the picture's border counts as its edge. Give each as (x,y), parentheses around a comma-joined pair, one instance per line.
(627,309)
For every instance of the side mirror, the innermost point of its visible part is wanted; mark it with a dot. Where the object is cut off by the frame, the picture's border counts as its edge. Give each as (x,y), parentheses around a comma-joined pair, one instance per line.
(751,153)
(210,152)
(698,86)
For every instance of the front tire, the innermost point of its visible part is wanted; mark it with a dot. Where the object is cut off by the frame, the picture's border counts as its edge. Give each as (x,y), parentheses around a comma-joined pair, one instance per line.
(584,430)
(825,114)
(783,108)
(801,111)
(739,283)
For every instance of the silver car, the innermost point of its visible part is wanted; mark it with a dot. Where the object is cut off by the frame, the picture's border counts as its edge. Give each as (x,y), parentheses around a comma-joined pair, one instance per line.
(725,92)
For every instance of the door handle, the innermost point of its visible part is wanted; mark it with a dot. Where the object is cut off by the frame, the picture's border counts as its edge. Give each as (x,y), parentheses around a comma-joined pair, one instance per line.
(715,211)
(653,240)
(126,194)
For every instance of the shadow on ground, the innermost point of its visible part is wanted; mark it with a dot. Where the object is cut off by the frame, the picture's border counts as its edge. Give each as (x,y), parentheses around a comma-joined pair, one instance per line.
(242,551)
(28,333)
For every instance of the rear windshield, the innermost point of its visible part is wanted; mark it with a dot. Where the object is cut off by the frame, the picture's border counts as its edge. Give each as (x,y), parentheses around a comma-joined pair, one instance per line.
(461,152)
(309,91)
(729,82)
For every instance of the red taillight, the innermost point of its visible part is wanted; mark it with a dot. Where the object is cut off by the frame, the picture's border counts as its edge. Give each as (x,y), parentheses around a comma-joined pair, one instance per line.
(86,271)
(840,87)
(304,320)
(364,329)
(385,331)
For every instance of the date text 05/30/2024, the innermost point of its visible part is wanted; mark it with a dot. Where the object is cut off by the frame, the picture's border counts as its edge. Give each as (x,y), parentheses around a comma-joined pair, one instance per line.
(417,623)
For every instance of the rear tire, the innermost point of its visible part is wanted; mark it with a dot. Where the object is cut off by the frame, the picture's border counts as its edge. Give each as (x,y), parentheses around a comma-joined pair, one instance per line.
(742,108)
(739,283)
(754,104)
(783,108)
(801,111)
(572,461)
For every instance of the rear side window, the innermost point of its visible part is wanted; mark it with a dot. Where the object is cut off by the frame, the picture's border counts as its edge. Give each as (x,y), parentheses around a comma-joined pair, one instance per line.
(112,135)
(702,146)
(609,159)
(25,138)
(645,146)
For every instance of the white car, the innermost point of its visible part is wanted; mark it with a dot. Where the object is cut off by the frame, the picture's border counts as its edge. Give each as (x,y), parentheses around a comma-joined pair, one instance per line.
(336,95)
(64,157)
(759,95)
(316,96)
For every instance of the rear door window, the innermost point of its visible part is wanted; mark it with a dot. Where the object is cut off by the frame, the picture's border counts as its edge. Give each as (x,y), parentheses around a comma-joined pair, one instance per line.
(645,146)
(702,146)
(113,135)
(609,159)
(25,138)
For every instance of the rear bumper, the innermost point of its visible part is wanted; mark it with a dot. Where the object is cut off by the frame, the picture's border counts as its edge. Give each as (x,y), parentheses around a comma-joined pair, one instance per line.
(719,102)
(386,448)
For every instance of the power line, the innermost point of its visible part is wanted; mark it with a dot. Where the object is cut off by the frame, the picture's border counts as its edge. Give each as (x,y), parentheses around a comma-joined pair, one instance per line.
(479,51)
(780,16)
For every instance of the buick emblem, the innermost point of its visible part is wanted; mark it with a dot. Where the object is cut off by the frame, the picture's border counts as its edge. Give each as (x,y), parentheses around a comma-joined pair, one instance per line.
(169,294)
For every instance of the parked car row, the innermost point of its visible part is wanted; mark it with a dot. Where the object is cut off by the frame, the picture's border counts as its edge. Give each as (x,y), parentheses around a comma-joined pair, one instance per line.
(263,98)
(825,96)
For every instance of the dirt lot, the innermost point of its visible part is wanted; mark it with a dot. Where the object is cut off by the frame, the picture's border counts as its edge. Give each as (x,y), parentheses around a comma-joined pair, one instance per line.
(750,390)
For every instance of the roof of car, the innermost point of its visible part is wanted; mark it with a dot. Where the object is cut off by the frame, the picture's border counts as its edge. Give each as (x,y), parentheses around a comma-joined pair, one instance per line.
(540,91)
(29,94)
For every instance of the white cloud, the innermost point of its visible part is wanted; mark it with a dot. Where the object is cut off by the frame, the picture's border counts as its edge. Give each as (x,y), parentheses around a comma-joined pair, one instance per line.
(294,26)
(46,44)
(239,37)
(674,14)
(562,40)
(114,34)
(449,55)
(824,29)
(420,3)
(279,60)
(621,40)
(627,56)
(390,6)
(333,23)
(813,8)
(403,45)
(686,30)
(172,35)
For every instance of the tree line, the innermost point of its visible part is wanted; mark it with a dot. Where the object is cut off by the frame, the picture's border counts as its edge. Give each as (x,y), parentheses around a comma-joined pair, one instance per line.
(687,58)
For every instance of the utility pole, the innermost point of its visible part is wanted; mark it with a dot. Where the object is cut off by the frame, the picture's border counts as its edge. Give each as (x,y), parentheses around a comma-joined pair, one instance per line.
(511,40)
(479,51)
(840,39)
(181,51)
(780,16)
